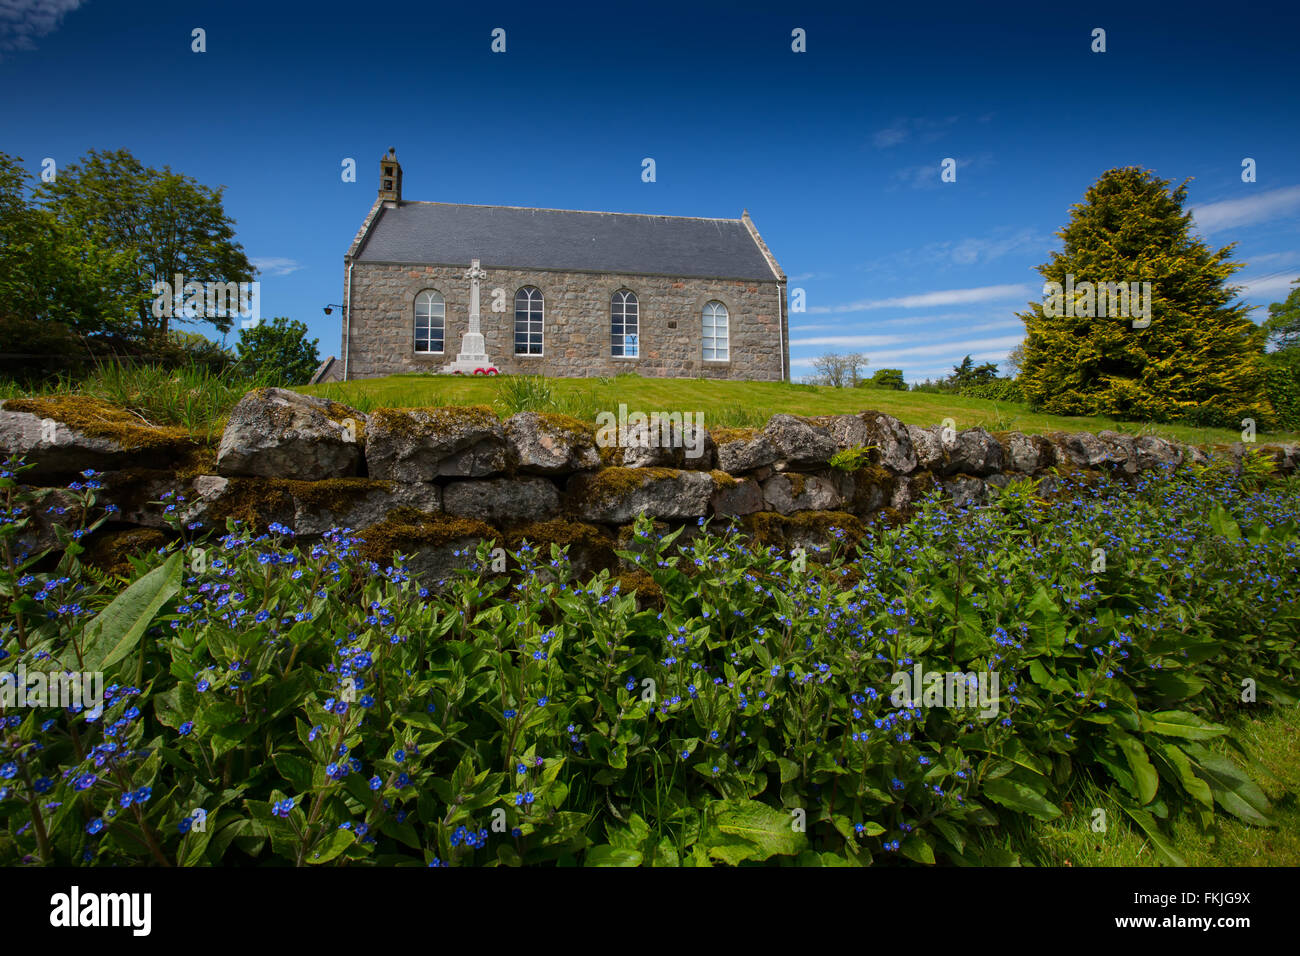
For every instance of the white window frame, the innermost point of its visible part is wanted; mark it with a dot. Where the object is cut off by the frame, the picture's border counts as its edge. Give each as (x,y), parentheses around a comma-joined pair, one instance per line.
(715,332)
(434,317)
(624,314)
(534,321)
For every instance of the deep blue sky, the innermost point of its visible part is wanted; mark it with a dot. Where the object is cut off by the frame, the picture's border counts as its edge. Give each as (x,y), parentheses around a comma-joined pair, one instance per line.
(835,152)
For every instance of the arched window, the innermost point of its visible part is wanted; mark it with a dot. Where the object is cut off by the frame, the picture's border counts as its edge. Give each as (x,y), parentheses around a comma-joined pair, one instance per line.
(528,321)
(717,338)
(430,321)
(624,324)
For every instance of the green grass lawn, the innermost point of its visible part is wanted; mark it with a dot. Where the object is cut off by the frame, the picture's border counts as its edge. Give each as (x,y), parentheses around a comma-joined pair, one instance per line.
(1272,745)
(200,401)
(728,404)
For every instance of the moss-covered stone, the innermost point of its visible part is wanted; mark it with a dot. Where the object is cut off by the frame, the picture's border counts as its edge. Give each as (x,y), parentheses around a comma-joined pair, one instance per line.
(590,548)
(408,529)
(255,502)
(724,436)
(559,531)
(194,462)
(608,485)
(771,528)
(434,420)
(101,419)
(333,494)
(723,480)
(570,425)
(259,501)
(648,592)
(872,486)
(108,551)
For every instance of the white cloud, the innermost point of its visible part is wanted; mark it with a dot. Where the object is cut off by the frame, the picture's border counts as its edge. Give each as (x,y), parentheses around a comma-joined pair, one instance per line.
(901,130)
(23,21)
(955,350)
(988,293)
(994,326)
(1248,211)
(275,265)
(980,350)
(1288,257)
(928,175)
(967,252)
(1274,287)
(850,341)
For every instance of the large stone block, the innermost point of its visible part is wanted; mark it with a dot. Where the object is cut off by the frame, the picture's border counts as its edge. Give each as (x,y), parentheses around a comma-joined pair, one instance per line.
(798,441)
(435,545)
(887,437)
(1083,449)
(928,445)
(307,507)
(1122,453)
(278,433)
(1154,452)
(690,448)
(787,493)
(420,444)
(550,444)
(67,435)
(965,491)
(502,500)
(973,452)
(737,496)
(617,495)
(743,449)
(1028,454)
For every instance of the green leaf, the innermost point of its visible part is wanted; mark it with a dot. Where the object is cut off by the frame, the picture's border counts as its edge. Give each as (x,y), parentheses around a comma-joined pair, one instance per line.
(1177,723)
(1234,791)
(1015,795)
(1223,525)
(1194,785)
(733,850)
(334,843)
(115,631)
(194,843)
(1145,778)
(295,770)
(918,849)
(766,828)
(606,855)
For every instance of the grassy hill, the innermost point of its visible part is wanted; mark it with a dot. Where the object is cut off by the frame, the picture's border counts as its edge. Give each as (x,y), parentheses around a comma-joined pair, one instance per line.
(728,404)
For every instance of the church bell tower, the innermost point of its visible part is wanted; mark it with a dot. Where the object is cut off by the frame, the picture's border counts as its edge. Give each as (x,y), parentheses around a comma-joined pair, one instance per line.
(390,178)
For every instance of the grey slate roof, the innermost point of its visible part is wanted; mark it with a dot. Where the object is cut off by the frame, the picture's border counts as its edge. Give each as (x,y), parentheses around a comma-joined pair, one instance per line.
(512,237)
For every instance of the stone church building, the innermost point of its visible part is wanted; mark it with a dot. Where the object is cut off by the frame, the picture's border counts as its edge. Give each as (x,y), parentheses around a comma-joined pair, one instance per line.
(562,293)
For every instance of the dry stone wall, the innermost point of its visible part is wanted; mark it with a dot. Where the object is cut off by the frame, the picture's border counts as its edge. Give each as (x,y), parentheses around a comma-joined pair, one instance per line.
(433,482)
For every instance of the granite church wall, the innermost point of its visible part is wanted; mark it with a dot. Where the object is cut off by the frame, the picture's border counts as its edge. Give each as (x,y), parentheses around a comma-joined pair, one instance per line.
(576,323)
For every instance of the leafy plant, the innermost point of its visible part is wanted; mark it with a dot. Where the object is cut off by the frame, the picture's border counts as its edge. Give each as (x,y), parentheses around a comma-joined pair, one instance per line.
(321,706)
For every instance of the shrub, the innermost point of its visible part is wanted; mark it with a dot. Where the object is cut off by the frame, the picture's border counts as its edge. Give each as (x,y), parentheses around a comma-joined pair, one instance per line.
(999,390)
(1282,385)
(891,378)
